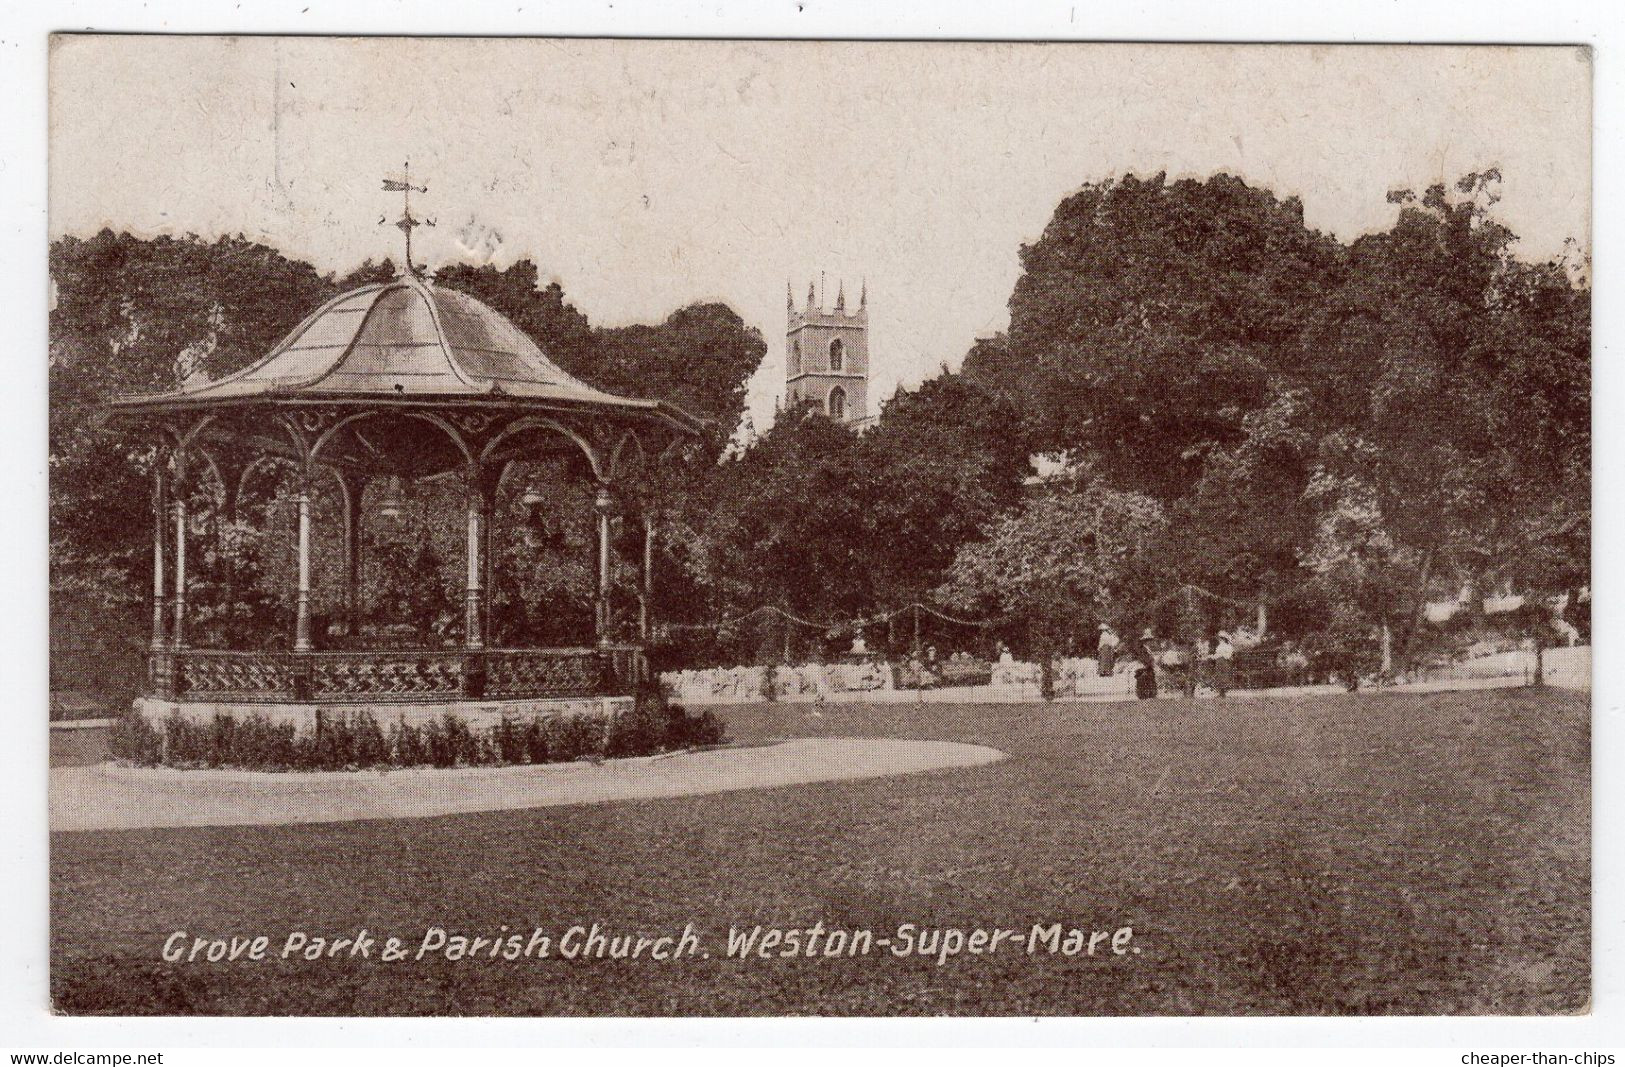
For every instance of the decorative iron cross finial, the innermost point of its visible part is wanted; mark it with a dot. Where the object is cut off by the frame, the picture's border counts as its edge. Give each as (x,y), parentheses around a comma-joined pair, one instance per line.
(406,223)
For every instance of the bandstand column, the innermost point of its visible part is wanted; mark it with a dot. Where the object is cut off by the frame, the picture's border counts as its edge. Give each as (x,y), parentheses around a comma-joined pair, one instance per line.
(178,637)
(603,504)
(159,510)
(474,595)
(487,570)
(230,482)
(648,576)
(301,624)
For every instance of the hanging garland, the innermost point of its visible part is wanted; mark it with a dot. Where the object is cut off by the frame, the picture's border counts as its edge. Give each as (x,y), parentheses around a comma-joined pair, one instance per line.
(1198,590)
(837,627)
(887,616)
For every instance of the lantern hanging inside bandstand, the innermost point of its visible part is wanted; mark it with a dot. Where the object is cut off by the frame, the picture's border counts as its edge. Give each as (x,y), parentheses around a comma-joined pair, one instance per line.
(394,499)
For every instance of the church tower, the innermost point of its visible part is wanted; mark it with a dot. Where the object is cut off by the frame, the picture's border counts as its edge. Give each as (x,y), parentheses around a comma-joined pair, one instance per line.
(827,355)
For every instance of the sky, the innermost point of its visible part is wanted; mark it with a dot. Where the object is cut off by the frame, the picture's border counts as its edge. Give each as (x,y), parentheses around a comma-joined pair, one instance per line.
(646,175)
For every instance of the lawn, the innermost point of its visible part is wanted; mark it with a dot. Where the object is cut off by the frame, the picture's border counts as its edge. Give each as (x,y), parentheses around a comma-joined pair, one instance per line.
(1327,855)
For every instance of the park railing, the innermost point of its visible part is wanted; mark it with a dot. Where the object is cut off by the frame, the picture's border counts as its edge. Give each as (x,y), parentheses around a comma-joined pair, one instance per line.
(972,681)
(395,675)
(1568,667)
(879,680)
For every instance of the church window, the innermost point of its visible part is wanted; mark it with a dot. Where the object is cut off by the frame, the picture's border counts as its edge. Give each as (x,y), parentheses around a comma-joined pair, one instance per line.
(837,354)
(837,401)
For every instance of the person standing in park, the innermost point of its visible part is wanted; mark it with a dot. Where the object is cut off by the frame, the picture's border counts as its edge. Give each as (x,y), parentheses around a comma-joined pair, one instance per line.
(1106,650)
(1224,658)
(1145,678)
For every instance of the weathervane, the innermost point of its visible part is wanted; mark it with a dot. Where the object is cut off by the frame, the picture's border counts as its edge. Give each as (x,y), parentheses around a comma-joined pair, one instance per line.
(406,223)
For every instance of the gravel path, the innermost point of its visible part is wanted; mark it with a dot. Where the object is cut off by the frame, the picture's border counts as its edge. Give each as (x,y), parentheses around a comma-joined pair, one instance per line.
(112,797)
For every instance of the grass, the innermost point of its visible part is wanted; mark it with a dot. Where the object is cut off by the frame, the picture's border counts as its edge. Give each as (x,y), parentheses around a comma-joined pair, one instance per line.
(78,748)
(1420,854)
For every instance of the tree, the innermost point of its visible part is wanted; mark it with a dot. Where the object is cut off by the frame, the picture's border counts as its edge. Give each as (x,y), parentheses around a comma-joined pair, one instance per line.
(1149,319)
(700,359)
(1245,405)
(1356,564)
(939,461)
(1453,404)
(1066,558)
(785,523)
(1242,528)
(1156,339)
(1540,339)
(134,316)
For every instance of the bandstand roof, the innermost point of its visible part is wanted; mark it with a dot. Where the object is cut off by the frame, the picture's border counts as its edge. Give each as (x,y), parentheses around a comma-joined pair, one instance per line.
(352,385)
(406,340)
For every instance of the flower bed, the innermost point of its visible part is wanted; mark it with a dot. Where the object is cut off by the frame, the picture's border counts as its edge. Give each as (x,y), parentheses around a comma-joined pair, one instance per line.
(357,741)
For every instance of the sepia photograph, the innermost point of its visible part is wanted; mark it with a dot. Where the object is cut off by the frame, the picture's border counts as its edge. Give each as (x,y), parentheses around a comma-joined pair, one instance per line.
(711,528)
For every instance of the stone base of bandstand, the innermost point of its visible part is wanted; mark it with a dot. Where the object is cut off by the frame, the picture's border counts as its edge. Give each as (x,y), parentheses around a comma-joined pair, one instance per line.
(478,714)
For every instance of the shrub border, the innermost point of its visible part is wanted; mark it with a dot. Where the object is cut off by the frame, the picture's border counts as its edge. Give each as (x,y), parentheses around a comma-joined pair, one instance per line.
(355,740)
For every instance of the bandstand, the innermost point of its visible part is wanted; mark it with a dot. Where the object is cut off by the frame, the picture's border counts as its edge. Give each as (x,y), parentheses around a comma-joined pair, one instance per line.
(403,380)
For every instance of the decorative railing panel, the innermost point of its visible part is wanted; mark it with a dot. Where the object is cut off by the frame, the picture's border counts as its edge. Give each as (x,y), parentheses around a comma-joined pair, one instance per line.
(389,676)
(511,674)
(254,676)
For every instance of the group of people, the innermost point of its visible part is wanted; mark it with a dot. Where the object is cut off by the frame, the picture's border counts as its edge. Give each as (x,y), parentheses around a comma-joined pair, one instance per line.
(1210,661)
(926,670)
(727,685)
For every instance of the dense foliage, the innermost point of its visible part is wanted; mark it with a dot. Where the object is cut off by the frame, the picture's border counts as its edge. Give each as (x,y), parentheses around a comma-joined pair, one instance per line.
(1338,431)
(1064,560)
(1333,432)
